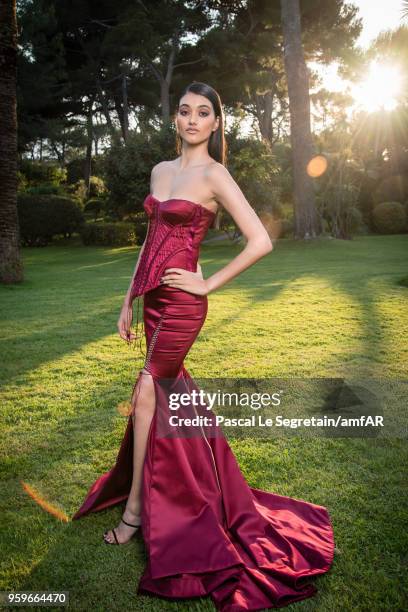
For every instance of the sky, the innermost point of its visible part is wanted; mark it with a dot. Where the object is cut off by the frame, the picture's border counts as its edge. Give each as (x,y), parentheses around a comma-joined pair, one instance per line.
(377,15)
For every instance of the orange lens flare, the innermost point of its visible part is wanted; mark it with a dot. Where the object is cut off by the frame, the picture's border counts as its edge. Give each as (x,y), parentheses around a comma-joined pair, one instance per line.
(59,514)
(317,166)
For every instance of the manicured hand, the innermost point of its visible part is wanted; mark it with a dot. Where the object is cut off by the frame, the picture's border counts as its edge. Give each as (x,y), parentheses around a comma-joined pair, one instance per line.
(125,322)
(193,282)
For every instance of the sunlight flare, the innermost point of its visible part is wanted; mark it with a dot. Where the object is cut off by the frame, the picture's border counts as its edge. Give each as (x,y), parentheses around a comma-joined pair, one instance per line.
(380,88)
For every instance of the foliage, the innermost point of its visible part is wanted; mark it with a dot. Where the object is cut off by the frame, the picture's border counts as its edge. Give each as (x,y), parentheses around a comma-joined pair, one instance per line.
(337,196)
(36,173)
(393,188)
(355,222)
(97,188)
(94,206)
(109,234)
(77,58)
(337,207)
(76,168)
(127,168)
(255,169)
(45,189)
(41,217)
(390,218)
(287,227)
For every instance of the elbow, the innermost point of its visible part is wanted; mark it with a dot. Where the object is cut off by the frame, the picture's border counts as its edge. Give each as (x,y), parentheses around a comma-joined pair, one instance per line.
(260,246)
(267,245)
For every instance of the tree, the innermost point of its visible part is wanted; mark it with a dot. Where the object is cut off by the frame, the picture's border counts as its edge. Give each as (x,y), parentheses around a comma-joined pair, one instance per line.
(306,219)
(11,269)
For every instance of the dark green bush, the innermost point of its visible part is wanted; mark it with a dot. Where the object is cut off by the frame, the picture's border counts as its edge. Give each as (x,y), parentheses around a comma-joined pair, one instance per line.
(41,217)
(109,234)
(127,168)
(355,220)
(389,218)
(38,173)
(94,207)
(392,188)
(288,227)
(79,190)
(76,169)
(406,214)
(45,189)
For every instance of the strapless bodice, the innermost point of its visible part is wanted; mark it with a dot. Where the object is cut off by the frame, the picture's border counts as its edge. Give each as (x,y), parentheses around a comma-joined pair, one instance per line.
(176,229)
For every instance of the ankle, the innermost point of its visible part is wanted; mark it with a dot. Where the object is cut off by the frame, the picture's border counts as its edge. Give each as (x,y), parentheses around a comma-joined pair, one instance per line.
(133,509)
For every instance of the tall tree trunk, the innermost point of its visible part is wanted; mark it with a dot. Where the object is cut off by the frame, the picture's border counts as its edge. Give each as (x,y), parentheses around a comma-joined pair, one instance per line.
(105,110)
(264,107)
(306,219)
(125,108)
(89,140)
(11,268)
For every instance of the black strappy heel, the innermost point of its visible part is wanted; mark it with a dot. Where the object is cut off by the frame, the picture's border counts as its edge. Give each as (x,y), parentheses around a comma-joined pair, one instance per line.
(114,533)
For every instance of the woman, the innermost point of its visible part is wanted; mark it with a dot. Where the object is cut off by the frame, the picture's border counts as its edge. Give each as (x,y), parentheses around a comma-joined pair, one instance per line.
(206,531)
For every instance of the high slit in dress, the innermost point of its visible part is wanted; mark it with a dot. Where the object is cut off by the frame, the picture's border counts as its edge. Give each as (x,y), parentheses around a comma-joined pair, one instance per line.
(206,531)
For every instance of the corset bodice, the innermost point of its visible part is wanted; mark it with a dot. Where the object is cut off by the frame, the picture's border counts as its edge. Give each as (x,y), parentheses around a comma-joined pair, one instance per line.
(176,229)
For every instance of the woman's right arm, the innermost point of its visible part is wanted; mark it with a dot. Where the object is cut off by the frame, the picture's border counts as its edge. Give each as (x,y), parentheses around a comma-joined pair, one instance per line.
(126,313)
(128,301)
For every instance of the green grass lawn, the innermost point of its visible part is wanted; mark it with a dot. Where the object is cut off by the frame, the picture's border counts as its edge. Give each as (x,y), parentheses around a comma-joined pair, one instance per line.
(328,308)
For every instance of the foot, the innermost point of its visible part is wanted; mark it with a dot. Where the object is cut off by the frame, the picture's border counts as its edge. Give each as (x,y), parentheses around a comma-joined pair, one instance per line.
(123,532)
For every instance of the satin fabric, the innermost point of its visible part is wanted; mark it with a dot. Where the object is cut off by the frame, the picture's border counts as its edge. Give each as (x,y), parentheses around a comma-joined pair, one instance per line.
(176,230)
(206,531)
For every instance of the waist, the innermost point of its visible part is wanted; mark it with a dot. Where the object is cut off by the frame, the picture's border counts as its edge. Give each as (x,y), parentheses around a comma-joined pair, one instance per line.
(172,295)
(152,268)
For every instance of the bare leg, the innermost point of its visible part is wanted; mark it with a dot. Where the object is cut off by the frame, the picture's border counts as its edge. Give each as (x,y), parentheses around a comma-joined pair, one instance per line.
(142,414)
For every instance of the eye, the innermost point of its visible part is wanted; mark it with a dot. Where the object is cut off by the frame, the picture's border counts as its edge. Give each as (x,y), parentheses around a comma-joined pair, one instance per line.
(202,113)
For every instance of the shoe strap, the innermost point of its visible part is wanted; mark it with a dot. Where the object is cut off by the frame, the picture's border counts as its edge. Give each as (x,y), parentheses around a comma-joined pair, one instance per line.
(130,524)
(114,533)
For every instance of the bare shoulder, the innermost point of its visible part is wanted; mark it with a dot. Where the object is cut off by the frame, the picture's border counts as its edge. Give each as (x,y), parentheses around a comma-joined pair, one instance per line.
(219,179)
(160,166)
(157,172)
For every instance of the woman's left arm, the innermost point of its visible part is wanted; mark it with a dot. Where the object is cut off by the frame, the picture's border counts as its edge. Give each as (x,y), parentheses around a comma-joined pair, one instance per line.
(258,244)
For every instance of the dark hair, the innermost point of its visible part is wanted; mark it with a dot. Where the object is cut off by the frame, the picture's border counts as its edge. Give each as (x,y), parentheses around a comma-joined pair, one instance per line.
(217,147)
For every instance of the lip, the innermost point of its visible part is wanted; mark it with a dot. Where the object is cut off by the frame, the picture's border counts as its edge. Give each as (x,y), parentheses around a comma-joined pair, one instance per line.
(192,131)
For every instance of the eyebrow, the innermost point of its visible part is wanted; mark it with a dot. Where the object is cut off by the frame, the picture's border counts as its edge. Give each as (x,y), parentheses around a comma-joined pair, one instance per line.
(199,106)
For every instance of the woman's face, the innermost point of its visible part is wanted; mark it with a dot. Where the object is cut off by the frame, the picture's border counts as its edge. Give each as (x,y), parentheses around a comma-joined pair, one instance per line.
(195,118)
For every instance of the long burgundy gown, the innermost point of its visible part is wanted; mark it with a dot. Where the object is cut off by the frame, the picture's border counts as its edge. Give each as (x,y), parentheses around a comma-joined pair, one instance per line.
(206,531)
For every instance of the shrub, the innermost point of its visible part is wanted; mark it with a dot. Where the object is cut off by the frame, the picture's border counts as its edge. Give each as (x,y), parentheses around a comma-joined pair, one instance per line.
(94,207)
(97,188)
(41,217)
(127,168)
(392,188)
(37,173)
(109,234)
(45,189)
(288,227)
(406,214)
(389,218)
(337,207)
(76,169)
(355,220)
